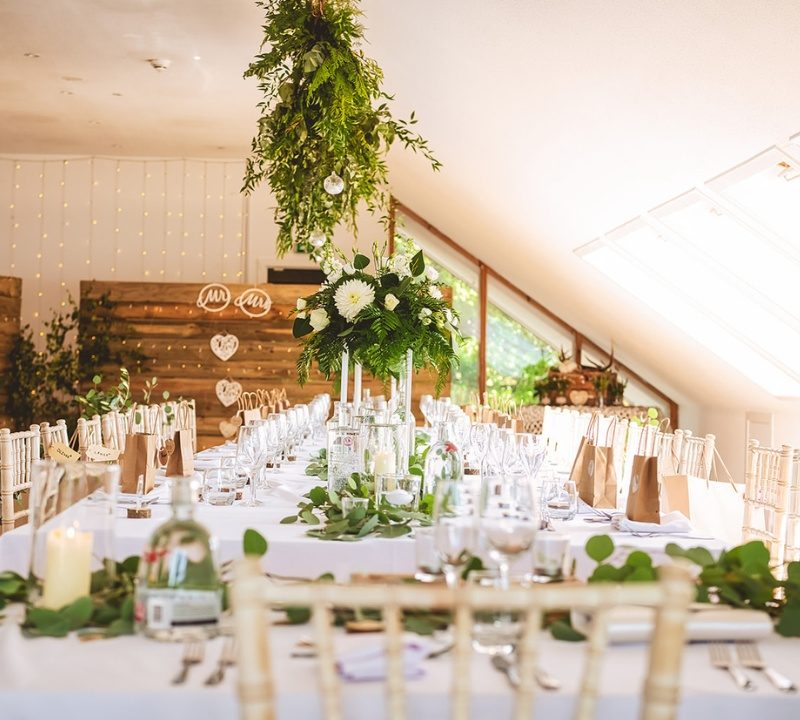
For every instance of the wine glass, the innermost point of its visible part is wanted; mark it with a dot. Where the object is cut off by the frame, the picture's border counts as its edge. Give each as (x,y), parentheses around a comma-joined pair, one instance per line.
(251,453)
(479,435)
(531,451)
(454,527)
(508,518)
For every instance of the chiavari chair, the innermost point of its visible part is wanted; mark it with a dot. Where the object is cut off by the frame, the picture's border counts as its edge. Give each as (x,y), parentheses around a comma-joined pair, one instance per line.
(17,451)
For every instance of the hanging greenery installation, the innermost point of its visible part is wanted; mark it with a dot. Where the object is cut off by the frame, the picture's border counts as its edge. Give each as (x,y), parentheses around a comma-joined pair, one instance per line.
(325,125)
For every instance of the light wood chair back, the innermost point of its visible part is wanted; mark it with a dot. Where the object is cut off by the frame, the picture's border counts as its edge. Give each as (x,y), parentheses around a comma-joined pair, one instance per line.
(17,451)
(115,429)
(90,432)
(768,489)
(792,545)
(53,434)
(253,595)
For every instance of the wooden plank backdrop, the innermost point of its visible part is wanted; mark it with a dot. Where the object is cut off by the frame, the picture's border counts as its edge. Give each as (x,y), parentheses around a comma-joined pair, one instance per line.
(173,333)
(10,305)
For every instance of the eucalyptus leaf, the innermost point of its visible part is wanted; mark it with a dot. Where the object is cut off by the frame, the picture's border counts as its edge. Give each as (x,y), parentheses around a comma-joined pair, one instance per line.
(254,543)
(599,547)
(563,630)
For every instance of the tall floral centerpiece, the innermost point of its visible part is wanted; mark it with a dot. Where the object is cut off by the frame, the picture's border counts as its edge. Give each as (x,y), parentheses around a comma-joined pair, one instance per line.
(376,310)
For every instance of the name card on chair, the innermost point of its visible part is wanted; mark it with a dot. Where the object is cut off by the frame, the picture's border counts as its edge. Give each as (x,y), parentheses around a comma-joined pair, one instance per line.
(100,453)
(62,453)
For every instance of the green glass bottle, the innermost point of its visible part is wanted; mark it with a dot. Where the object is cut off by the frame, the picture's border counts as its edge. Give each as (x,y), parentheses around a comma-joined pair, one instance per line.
(178,591)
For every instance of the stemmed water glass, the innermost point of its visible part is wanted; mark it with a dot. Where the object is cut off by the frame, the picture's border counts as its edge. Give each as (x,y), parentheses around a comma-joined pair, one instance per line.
(425,406)
(531,452)
(509,518)
(479,435)
(454,527)
(251,455)
(503,450)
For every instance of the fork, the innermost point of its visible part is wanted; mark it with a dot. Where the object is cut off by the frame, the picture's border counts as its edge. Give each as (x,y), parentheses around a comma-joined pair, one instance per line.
(750,657)
(226,660)
(193,653)
(721,658)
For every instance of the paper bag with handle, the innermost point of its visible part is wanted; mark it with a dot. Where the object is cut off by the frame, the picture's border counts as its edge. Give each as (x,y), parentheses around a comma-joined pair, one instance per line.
(593,470)
(715,507)
(644,504)
(181,461)
(139,459)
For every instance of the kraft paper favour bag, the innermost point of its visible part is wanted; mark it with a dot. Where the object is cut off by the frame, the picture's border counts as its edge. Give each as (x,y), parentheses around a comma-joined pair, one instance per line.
(593,470)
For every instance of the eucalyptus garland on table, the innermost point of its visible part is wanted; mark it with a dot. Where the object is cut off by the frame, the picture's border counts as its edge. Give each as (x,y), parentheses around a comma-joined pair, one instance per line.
(377,317)
(325,124)
(322,509)
(740,577)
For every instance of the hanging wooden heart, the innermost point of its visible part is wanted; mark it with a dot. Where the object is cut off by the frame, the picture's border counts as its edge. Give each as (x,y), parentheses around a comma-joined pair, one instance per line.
(224,346)
(228,391)
(229,428)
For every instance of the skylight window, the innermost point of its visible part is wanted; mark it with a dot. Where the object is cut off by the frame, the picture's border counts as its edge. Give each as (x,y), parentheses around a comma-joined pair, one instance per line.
(722,262)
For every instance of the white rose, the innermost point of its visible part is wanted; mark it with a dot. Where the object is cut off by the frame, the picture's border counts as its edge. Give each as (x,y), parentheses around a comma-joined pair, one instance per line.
(391,301)
(425,314)
(400,265)
(435,292)
(432,273)
(349,269)
(301,314)
(301,304)
(334,275)
(319,319)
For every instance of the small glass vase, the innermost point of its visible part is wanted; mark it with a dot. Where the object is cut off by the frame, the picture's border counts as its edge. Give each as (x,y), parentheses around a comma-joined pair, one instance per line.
(443,462)
(73,512)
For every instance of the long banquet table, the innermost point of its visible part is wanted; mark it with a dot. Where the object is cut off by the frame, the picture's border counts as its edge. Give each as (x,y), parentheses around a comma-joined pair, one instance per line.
(130,677)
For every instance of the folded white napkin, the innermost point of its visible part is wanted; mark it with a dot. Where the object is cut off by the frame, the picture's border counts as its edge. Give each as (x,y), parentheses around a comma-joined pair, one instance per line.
(369,663)
(631,624)
(671,522)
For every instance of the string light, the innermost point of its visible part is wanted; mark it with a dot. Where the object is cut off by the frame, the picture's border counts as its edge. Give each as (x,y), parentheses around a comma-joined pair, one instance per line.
(62,225)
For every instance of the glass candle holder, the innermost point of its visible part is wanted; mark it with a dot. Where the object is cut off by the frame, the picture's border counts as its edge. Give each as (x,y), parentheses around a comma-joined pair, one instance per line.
(73,510)
(398,491)
(385,446)
(550,557)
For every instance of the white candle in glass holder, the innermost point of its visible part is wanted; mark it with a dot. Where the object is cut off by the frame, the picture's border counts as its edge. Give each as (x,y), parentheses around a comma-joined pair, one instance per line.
(68,566)
(385,462)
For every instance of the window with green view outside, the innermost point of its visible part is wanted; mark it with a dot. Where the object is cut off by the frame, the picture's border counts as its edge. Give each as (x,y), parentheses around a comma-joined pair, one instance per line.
(515,357)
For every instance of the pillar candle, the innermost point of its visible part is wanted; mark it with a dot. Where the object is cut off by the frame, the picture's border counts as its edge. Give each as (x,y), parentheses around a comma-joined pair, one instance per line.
(345,379)
(68,572)
(385,462)
(357,387)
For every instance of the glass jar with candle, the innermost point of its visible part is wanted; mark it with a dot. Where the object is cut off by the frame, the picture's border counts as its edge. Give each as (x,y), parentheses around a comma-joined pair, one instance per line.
(179,591)
(72,516)
(397,491)
(384,448)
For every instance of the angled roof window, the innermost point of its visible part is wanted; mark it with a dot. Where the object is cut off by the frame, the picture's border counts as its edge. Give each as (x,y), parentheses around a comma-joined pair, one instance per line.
(722,262)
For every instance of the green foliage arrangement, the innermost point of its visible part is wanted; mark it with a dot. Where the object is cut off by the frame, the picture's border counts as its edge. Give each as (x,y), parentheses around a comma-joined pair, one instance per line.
(97,401)
(323,113)
(377,318)
(323,510)
(740,577)
(43,384)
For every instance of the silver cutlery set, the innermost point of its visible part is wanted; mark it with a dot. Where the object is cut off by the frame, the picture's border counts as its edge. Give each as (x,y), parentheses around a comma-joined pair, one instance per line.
(747,657)
(193,654)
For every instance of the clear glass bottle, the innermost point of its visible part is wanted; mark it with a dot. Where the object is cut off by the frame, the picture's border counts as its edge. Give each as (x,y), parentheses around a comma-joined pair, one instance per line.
(444,458)
(179,591)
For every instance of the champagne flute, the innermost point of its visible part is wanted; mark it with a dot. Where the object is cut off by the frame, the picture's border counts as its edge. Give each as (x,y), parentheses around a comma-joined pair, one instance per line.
(479,435)
(508,518)
(454,527)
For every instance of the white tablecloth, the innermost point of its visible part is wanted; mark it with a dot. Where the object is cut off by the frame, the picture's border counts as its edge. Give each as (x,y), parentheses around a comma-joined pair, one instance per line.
(129,679)
(292,552)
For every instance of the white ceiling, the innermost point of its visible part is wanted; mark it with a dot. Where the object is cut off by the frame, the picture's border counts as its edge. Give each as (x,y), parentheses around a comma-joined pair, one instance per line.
(555,121)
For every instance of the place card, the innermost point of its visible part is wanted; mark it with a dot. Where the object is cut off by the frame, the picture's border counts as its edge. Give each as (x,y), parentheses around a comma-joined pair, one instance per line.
(62,453)
(100,453)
